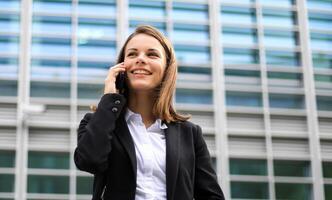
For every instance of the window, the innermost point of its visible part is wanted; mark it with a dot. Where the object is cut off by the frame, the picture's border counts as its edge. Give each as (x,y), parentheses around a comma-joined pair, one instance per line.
(192,54)
(189,73)
(90,91)
(292,168)
(51,25)
(147,9)
(89,28)
(49,89)
(320,21)
(286,101)
(284,75)
(240,36)
(51,46)
(328,191)
(247,167)
(48,69)
(9,22)
(10,5)
(287,58)
(237,15)
(161,26)
(321,60)
(296,191)
(249,190)
(327,169)
(8,88)
(9,44)
(323,78)
(240,56)
(190,33)
(321,41)
(324,103)
(243,99)
(284,3)
(319,4)
(7,182)
(286,39)
(92,70)
(99,48)
(52,6)
(103,7)
(278,17)
(242,73)
(7,159)
(84,185)
(48,160)
(48,184)
(190,12)
(193,96)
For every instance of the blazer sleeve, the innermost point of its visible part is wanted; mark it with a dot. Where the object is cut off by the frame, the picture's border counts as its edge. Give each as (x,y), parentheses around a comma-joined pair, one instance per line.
(206,185)
(95,133)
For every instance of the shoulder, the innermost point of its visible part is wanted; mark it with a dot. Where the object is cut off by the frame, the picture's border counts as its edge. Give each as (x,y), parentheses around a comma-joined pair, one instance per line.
(189,127)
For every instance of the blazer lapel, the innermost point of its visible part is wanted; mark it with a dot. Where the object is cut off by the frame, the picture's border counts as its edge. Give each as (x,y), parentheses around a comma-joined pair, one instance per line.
(172,157)
(125,138)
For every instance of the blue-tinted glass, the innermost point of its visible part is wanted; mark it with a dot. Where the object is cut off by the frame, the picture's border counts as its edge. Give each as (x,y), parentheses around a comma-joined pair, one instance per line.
(321,60)
(188,73)
(284,75)
(278,17)
(239,36)
(247,167)
(9,22)
(90,91)
(48,184)
(328,191)
(194,70)
(7,159)
(50,69)
(48,89)
(321,41)
(240,56)
(280,38)
(249,190)
(320,21)
(324,103)
(52,6)
(96,28)
(193,96)
(8,67)
(51,25)
(286,101)
(84,185)
(323,78)
(7,182)
(99,7)
(9,44)
(286,3)
(48,160)
(10,5)
(292,168)
(192,54)
(243,99)
(190,12)
(8,88)
(51,46)
(242,73)
(147,9)
(294,191)
(90,70)
(160,26)
(319,4)
(96,48)
(287,58)
(238,15)
(183,32)
(239,1)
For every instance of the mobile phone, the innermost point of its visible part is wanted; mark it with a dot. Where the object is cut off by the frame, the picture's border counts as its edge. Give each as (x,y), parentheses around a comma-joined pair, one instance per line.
(120,82)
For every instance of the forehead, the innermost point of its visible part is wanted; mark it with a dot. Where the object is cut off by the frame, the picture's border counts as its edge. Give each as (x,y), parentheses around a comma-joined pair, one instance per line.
(143,41)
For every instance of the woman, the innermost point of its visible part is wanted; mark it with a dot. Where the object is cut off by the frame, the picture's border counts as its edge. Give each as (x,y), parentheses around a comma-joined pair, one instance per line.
(135,143)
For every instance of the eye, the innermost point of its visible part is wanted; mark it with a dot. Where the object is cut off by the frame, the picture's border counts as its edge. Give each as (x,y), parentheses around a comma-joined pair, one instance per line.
(131,54)
(153,54)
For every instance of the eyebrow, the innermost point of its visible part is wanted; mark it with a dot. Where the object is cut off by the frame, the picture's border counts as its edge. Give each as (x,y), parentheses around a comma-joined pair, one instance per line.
(134,49)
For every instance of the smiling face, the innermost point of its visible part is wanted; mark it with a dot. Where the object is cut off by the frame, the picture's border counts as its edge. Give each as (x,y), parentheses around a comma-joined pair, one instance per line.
(145,62)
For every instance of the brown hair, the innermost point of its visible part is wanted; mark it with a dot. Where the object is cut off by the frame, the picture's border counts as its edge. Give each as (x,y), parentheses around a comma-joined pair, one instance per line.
(163,107)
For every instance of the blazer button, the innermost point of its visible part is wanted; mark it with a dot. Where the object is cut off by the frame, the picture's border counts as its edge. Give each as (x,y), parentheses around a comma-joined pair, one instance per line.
(114,109)
(117,102)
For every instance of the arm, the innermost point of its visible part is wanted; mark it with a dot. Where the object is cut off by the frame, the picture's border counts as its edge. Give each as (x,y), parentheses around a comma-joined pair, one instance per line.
(206,185)
(95,133)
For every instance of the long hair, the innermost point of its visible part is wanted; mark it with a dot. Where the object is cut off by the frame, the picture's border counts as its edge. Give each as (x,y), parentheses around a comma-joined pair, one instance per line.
(163,107)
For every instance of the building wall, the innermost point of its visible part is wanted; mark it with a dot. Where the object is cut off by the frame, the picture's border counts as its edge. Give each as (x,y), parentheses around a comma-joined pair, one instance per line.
(255,74)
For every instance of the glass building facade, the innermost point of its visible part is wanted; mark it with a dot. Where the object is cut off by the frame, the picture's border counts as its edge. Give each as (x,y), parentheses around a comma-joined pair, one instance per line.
(255,74)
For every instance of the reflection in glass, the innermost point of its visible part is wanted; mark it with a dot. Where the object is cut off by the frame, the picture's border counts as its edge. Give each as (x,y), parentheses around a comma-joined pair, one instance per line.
(191,33)
(249,190)
(147,9)
(51,46)
(48,69)
(89,28)
(193,96)
(240,56)
(8,67)
(284,3)
(280,38)
(248,167)
(279,18)
(240,36)
(190,12)
(7,182)
(84,185)
(9,22)
(286,101)
(9,44)
(192,54)
(292,168)
(319,4)
(287,58)
(251,99)
(238,15)
(52,6)
(320,21)
(324,103)
(96,48)
(92,70)
(49,89)
(321,60)
(48,184)
(51,25)
(295,191)
(48,160)
(103,7)
(321,41)
(10,5)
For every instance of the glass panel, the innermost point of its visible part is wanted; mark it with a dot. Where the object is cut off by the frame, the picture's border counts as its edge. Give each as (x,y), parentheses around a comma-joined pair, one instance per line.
(8,67)
(90,91)
(320,21)
(321,60)
(51,46)
(188,73)
(48,89)
(9,22)
(103,7)
(293,191)
(292,168)
(134,23)
(319,4)
(237,15)
(193,96)
(283,58)
(89,70)
(240,36)
(278,17)
(239,1)
(328,191)
(280,38)
(7,182)
(84,185)
(9,44)
(191,33)
(147,9)
(48,160)
(48,184)
(242,73)
(8,88)
(321,41)
(286,101)
(323,78)
(10,5)
(324,103)
(243,99)
(7,158)
(247,167)
(240,56)
(249,190)
(327,169)
(100,48)
(285,75)
(96,28)
(46,69)
(52,6)
(190,12)
(192,54)
(51,25)
(286,3)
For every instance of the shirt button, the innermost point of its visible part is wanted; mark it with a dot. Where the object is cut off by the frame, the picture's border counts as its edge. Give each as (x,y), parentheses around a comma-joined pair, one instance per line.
(114,109)
(117,102)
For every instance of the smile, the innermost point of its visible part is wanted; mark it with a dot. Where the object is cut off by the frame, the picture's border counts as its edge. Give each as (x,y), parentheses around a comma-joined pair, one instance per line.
(141,71)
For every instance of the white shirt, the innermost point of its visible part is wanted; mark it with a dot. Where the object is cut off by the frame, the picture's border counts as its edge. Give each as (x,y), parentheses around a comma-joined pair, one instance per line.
(150,148)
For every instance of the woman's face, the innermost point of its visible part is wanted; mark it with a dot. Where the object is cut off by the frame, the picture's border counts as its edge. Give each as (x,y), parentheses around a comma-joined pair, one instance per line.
(145,62)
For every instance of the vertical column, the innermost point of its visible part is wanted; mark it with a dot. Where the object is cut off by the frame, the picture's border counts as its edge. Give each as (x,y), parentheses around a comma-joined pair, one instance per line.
(22,100)
(265,96)
(219,98)
(310,99)
(122,22)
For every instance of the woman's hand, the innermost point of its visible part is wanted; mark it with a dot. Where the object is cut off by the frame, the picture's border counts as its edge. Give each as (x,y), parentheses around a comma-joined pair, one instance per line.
(113,72)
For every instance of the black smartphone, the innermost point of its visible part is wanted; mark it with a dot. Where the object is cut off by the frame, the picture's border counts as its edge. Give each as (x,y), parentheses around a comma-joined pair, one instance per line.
(120,82)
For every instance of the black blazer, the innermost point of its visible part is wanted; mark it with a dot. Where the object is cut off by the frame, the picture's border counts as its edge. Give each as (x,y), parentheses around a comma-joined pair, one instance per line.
(106,149)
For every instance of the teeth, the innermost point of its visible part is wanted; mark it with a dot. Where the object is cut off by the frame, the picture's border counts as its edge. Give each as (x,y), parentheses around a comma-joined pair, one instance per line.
(141,71)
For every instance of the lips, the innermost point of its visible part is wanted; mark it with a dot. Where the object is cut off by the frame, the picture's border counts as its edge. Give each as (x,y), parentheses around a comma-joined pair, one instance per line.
(141,72)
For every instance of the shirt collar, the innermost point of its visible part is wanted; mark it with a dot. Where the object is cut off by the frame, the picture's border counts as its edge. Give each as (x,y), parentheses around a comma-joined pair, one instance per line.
(131,116)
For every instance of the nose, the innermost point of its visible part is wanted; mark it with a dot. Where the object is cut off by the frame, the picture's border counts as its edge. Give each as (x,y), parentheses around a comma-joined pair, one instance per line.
(141,59)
